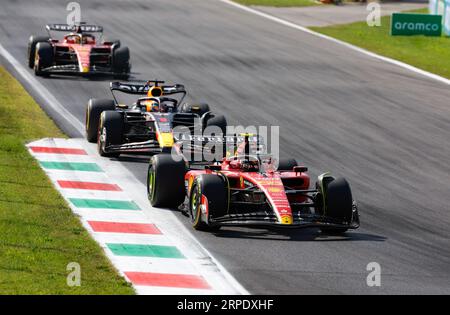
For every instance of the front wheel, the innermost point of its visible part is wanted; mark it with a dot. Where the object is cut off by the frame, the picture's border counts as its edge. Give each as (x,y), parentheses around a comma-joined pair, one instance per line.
(208,199)
(32,42)
(165,181)
(338,204)
(110,131)
(94,109)
(43,58)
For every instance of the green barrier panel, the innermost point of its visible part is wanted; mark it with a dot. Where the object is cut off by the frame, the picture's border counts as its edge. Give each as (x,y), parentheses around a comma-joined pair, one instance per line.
(416,24)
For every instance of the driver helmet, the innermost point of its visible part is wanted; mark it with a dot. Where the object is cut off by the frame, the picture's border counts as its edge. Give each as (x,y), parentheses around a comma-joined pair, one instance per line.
(245,165)
(88,39)
(151,106)
(72,39)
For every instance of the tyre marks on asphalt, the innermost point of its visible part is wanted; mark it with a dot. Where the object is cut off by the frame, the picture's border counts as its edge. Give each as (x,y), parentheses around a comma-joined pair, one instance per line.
(137,247)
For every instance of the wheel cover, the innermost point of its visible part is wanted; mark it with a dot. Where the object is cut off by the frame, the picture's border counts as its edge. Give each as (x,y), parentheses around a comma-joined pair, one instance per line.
(87,119)
(36,61)
(195,205)
(151,183)
(102,139)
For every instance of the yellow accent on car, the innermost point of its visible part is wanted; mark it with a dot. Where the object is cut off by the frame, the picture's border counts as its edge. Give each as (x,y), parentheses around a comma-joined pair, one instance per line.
(275,189)
(287,219)
(191,181)
(165,140)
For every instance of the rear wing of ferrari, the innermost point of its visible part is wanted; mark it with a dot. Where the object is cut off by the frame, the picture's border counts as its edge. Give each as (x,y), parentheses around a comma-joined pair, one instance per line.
(143,88)
(73,28)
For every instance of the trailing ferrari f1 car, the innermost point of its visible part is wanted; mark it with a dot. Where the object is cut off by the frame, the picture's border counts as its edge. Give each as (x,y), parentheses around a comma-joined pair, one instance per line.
(248,190)
(79,52)
(146,126)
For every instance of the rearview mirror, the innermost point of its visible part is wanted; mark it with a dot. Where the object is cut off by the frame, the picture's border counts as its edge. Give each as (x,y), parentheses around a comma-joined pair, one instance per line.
(300,169)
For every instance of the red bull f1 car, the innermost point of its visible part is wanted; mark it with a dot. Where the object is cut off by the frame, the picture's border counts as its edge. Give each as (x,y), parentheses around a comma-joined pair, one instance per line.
(249,190)
(79,52)
(146,126)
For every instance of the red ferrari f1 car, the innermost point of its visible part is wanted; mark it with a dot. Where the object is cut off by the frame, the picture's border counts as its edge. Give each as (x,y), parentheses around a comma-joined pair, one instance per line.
(79,52)
(248,190)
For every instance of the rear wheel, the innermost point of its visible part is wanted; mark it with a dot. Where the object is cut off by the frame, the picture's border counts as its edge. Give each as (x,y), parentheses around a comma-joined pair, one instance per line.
(165,181)
(43,58)
(121,63)
(93,111)
(32,42)
(338,204)
(208,199)
(110,132)
(287,164)
(114,42)
(218,121)
(199,109)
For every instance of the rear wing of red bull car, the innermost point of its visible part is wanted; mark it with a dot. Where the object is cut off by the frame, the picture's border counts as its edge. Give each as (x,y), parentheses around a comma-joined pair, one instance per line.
(143,88)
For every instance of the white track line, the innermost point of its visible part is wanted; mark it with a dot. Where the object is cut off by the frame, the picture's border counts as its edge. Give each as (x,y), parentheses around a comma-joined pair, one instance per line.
(337,41)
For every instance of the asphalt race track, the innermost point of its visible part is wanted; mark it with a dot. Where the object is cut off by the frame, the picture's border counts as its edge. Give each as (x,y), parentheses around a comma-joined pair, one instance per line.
(384,128)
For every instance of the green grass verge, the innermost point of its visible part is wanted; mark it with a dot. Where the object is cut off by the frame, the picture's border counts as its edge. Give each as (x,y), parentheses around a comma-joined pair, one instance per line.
(428,53)
(279,3)
(39,235)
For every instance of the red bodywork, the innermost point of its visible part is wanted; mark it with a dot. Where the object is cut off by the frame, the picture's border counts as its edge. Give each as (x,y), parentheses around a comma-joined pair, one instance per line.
(81,53)
(271,183)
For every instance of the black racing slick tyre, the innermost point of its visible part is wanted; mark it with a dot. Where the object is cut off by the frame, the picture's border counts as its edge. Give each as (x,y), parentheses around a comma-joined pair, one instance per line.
(121,63)
(199,109)
(110,132)
(43,57)
(218,121)
(210,191)
(339,204)
(31,53)
(165,181)
(94,109)
(114,42)
(287,164)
